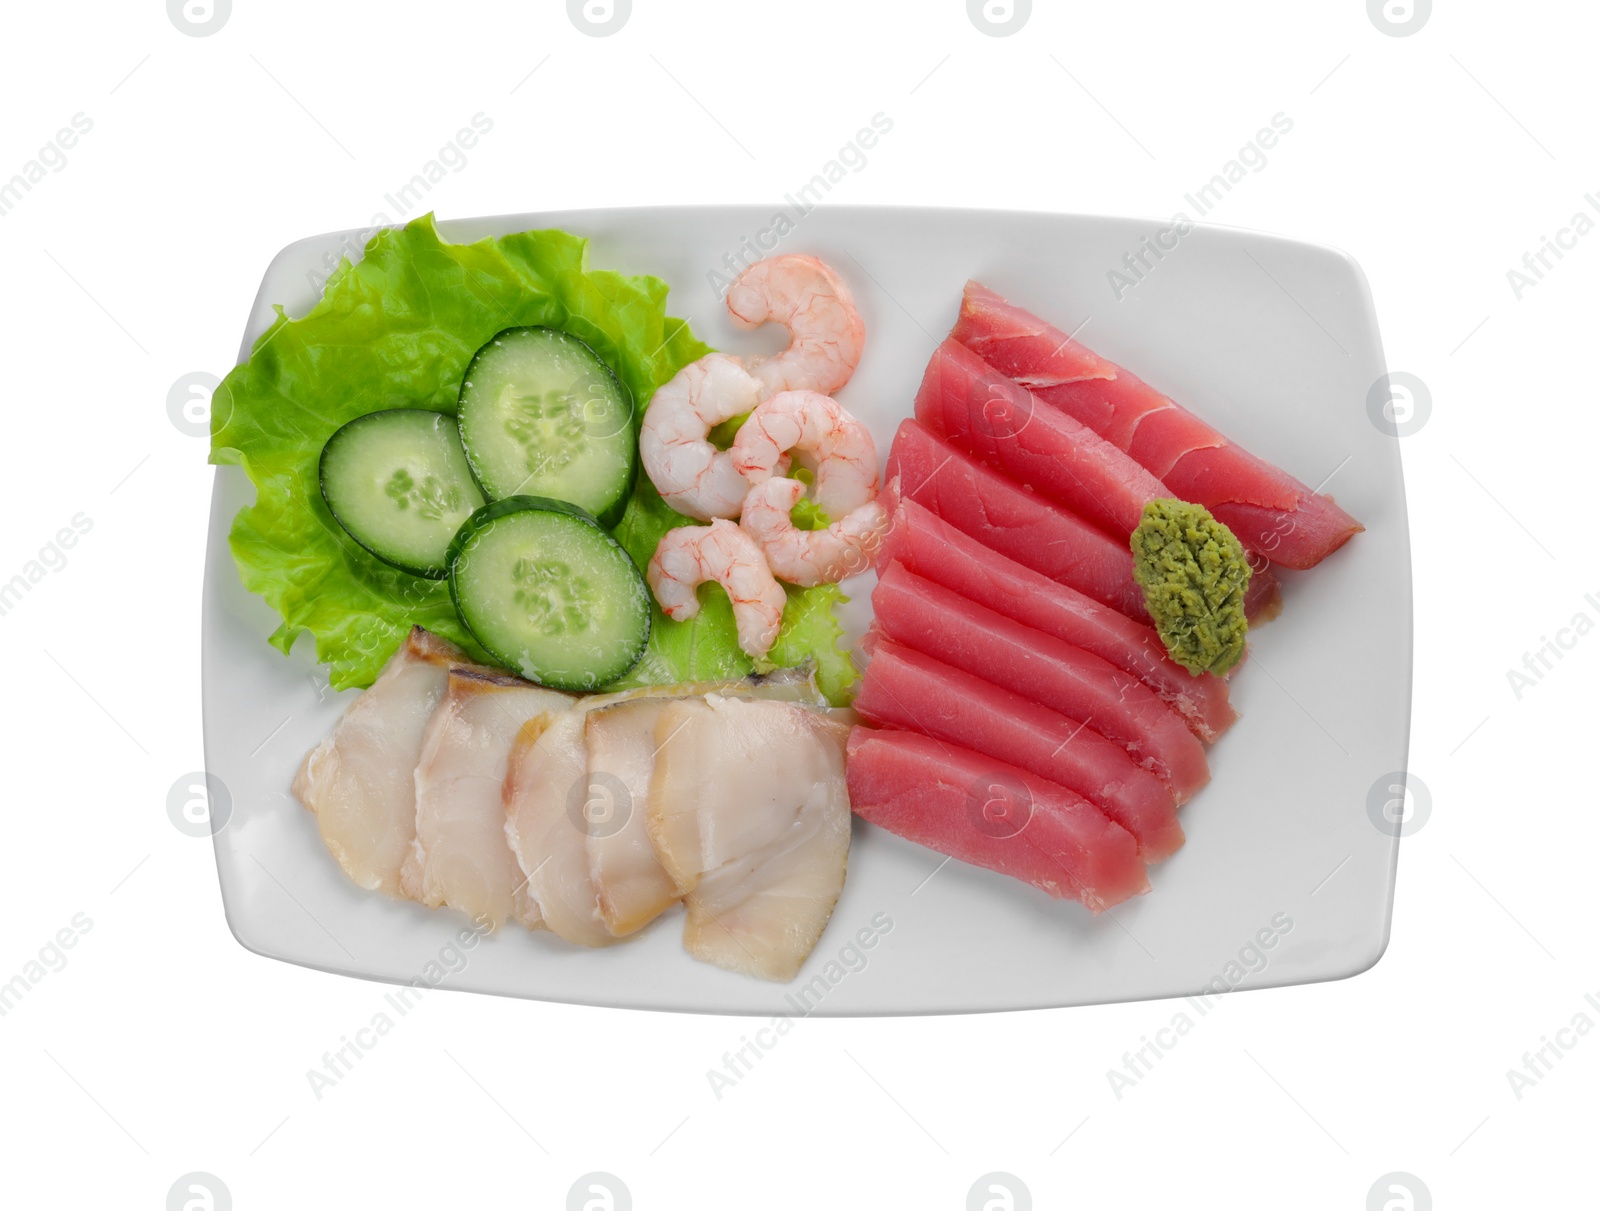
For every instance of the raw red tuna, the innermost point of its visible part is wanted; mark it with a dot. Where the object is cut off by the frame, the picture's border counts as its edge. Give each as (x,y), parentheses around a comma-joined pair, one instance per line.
(975,639)
(994,815)
(1269,509)
(1263,597)
(975,408)
(984,504)
(907,690)
(1023,525)
(936,550)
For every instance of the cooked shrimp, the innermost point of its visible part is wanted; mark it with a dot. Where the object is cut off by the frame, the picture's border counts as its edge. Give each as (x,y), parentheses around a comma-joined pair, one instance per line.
(838,444)
(814,304)
(810,557)
(692,475)
(689,556)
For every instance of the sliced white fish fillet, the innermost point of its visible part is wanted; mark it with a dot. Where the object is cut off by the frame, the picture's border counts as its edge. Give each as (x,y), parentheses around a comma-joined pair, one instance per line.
(548,791)
(633,888)
(546,779)
(750,816)
(460,856)
(358,781)
(547,798)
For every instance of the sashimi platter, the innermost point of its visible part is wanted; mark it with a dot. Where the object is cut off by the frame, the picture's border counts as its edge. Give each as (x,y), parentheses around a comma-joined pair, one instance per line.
(882,614)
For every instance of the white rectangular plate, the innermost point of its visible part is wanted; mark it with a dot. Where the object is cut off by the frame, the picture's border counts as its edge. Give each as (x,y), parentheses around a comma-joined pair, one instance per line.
(1271,340)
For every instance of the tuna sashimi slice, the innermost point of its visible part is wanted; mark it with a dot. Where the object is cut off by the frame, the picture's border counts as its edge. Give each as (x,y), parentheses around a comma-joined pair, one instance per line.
(1263,597)
(934,549)
(1301,538)
(994,815)
(975,639)
(977,409)
(908,690)
(984,504)
(1006,517)
(1269,509)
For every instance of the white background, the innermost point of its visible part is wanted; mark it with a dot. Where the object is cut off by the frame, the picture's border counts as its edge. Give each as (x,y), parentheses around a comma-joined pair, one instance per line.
(162,1047)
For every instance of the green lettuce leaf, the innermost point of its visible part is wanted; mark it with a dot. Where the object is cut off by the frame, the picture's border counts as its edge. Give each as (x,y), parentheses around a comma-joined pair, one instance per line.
(397,331)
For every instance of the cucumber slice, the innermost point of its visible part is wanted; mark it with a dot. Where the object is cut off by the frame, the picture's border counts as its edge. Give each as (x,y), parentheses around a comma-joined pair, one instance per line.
(542,415)
(549,593)
(398,482)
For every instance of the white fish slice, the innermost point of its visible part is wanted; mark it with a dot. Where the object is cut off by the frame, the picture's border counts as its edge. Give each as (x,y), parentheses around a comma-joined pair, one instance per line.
(358,781)
(548,791)
(750,816)
(545,780)
(633,888)
(460,856)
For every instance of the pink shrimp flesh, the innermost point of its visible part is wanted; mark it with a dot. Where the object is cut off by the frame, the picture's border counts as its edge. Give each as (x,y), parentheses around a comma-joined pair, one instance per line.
(692,475)
(689,556)
(838,444)
(810,557)
(812,301)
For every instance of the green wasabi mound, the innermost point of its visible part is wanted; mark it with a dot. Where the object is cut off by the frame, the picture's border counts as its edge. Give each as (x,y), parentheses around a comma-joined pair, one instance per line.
(1194,574)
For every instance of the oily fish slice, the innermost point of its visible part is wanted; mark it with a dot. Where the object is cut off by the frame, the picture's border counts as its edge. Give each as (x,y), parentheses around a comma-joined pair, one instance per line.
(550,796)
(460,856)
(631,887)
(751,819)
(359,781)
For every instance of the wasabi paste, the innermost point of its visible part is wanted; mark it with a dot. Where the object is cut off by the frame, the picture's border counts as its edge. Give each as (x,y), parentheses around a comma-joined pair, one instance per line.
(1194,574)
